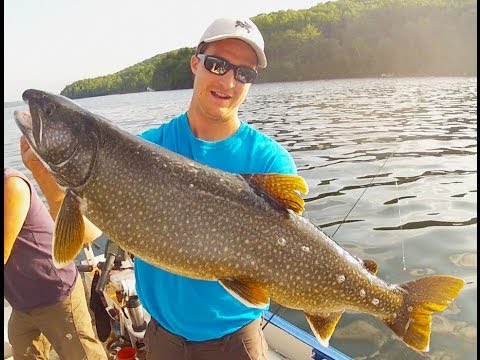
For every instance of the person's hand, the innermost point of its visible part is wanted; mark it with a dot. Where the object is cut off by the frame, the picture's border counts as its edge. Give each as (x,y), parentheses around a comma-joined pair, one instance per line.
(30,160)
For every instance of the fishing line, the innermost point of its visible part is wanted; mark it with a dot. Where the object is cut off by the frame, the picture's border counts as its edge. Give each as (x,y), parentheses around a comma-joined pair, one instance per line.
(366,188)
(401,227)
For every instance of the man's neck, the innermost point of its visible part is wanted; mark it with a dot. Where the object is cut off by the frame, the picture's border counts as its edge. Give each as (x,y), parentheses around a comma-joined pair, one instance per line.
(211,130)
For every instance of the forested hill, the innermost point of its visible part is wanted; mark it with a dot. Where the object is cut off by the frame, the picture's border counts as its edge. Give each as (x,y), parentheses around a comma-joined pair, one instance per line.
(338,39)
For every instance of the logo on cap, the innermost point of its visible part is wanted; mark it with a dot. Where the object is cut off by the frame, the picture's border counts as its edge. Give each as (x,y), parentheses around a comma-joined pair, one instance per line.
(243,24)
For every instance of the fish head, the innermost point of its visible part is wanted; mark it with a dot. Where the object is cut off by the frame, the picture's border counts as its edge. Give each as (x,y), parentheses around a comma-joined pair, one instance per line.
(62,134)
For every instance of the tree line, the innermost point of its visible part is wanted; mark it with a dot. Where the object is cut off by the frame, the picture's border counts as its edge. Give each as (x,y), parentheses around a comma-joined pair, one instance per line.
(337,39)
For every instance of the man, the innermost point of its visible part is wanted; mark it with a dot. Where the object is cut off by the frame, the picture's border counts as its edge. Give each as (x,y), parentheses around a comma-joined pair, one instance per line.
(49,305)
(194,319)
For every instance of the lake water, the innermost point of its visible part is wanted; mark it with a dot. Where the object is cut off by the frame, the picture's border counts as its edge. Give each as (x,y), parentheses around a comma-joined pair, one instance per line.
(398,155)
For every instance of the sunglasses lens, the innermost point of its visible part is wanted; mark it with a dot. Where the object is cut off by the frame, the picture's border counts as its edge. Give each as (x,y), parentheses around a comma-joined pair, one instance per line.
(220,66)
(245,75)
(216,66)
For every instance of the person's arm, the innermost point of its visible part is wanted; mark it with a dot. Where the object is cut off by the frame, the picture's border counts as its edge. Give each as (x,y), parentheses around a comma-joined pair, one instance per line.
(49,187)
(16,203)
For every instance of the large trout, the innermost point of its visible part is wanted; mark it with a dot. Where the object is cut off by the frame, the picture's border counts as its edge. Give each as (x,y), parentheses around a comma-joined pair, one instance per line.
(244,231)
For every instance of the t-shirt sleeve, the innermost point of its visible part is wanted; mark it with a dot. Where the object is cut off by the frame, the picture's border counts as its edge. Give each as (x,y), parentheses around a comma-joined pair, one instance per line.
(282,162)
(154,135)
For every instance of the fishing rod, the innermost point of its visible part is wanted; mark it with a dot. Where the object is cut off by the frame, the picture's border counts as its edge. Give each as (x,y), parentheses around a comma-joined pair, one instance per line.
(338,227)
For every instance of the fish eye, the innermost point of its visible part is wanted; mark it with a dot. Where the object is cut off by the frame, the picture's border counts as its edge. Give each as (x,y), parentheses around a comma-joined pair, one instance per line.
(49,109)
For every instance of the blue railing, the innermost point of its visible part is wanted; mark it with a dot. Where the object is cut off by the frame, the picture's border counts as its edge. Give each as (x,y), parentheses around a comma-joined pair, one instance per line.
(319,352)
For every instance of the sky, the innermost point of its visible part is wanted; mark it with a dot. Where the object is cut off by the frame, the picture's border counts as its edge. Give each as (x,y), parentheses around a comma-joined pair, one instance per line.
(50,44)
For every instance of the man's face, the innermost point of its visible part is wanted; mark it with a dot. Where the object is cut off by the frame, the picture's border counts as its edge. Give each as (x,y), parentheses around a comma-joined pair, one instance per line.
(219,96)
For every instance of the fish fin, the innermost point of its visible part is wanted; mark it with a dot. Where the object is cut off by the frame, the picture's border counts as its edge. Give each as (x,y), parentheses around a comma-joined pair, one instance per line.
(370,265)
(422,297)
(69,231)
(282,187)
(248,293)
(323,325)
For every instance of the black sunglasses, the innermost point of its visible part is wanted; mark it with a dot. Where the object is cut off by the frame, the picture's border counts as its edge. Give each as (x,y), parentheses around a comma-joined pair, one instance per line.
(219,66)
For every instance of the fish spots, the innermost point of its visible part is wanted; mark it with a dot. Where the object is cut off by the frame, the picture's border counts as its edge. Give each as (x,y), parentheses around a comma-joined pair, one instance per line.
(362,292)
(281,242)
(191,185)
(340,278)
(407,325)
(375,301)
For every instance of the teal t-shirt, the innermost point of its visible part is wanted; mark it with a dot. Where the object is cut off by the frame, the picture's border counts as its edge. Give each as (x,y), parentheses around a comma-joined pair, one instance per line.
(195,309)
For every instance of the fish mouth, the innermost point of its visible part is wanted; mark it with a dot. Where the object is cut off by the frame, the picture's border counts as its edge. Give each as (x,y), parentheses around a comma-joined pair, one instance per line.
(24,121)
(30,122)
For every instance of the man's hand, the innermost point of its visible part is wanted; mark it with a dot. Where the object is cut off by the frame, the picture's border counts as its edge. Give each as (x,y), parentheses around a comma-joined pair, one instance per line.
(53,193)
(30,160)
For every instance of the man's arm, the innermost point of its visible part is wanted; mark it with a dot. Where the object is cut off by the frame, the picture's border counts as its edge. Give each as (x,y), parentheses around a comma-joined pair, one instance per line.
(49,187)
(16,203)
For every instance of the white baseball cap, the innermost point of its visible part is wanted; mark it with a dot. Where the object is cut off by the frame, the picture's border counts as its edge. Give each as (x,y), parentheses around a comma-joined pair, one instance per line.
(242,29)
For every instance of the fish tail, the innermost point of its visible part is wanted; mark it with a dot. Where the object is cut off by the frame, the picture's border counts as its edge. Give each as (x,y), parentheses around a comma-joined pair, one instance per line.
(422,297)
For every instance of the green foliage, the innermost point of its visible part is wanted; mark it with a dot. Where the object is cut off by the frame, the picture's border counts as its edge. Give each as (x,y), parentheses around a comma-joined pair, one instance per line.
(337,39)
(135,78)
(173,71)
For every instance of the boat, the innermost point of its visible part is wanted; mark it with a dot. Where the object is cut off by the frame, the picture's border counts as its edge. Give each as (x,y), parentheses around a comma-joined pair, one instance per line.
(285,340)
